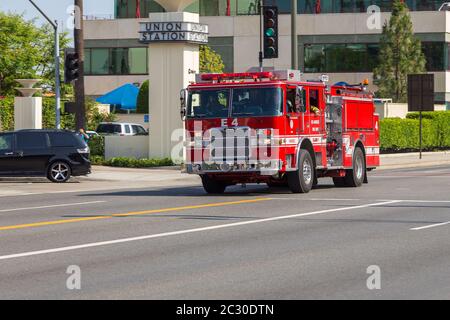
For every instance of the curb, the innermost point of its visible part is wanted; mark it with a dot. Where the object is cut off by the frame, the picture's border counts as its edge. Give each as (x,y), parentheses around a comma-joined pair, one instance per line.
(410,154)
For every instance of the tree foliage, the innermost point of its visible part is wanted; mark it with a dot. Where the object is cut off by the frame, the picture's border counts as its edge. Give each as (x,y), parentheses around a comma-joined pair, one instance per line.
(93,115)
(210,61)
(27,51)
(400,54)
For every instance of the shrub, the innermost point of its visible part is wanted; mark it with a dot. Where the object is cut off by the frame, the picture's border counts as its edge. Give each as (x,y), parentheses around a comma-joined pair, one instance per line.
(441,121)
(97,146)
(143,99)
(94,117)
(97,160)
(138,163)
(403,135)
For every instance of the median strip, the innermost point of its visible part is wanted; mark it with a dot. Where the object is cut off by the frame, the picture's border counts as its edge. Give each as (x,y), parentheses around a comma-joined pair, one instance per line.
(128,214)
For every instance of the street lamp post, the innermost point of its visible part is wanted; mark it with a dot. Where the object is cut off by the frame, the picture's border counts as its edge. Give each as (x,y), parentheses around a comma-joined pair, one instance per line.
(54,24)
(294,41)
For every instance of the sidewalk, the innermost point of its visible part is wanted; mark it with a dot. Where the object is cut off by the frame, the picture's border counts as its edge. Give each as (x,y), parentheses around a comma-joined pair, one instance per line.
(411,160)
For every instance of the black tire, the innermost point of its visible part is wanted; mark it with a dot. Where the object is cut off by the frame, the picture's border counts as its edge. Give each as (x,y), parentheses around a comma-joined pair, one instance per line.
(339,182)
(302,180)
(59,172)
(355,177)
(213,186)
(316,182)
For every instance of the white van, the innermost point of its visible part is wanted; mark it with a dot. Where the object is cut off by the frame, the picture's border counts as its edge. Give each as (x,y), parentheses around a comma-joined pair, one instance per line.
(120,129)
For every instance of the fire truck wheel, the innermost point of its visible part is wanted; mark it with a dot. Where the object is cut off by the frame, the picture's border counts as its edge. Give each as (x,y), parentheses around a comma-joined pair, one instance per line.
(213,186)
(355,177)
(301,181)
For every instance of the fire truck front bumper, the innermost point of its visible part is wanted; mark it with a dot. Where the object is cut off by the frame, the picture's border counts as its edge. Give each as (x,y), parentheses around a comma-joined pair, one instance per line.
(266,169)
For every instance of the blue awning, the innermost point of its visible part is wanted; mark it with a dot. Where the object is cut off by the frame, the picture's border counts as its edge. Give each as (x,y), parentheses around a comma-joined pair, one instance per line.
(125,96)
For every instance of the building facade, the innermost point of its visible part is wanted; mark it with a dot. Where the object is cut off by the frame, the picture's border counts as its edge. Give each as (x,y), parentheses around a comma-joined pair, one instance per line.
(335,37)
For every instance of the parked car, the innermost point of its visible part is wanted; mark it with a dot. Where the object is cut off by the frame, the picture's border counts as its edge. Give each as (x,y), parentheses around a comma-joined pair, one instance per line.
(120,129)
(55,154)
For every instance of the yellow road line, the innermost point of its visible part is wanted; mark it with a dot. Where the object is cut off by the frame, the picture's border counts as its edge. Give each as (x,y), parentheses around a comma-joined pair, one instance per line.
(128,214)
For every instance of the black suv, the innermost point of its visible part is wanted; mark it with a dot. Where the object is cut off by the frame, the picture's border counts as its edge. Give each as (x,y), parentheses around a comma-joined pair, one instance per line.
(56,154)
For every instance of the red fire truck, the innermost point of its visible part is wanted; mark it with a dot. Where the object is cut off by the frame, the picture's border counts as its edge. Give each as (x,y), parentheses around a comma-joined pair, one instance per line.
(274,128)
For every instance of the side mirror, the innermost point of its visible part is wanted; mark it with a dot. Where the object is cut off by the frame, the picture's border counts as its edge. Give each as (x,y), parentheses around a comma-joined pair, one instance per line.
(300,100)
(183,97)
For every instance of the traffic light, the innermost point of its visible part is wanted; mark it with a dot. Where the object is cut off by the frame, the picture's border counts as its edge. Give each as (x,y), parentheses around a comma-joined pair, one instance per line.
(71,66)
(270,14)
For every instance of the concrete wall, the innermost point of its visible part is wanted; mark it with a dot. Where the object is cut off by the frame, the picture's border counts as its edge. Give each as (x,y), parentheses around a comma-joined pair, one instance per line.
(129,147)
(392,110)
(398,110)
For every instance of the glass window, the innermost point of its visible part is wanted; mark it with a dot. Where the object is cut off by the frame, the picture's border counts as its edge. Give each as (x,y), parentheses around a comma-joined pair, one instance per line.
(127,8)
(247,7)
(31,140)
(109,129)
(434,54)
(87,61)
(62,140)
(313,99)
(314,58)
(127,129)
(354,57)
(6,142)
(208,104)
(119,61)
(100,61)
(137,60)
(254,102)
(224,47)
(138,130)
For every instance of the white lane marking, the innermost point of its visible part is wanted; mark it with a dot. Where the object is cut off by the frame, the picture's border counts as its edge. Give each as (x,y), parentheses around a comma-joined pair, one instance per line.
(408,176)
(417,201)
(338,199)
(52,206)
(430,226)
(317,199)
(175,233)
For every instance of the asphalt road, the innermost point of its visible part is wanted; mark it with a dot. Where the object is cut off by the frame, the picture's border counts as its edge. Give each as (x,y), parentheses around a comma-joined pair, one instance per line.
(254,243)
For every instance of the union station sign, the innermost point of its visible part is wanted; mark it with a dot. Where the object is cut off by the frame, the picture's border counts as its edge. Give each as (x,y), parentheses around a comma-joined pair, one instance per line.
(173,32)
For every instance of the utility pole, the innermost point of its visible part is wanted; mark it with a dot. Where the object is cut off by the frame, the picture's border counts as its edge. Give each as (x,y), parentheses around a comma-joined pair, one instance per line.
(294,41)
(261,55)
(54,24)
(80,114)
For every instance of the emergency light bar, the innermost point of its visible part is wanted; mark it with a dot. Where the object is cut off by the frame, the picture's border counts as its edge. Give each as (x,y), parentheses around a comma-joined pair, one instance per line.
(288,75)
(231,76)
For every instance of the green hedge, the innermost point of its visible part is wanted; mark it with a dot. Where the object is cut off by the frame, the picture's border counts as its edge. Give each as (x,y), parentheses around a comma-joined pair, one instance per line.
(131,162)
(403,134)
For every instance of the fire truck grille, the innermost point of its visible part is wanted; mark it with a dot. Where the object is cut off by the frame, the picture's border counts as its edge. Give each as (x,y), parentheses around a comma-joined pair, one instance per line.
(230,145)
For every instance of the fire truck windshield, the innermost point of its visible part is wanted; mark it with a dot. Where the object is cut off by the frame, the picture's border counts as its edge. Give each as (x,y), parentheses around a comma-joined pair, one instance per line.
(257,102)
(247,102)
